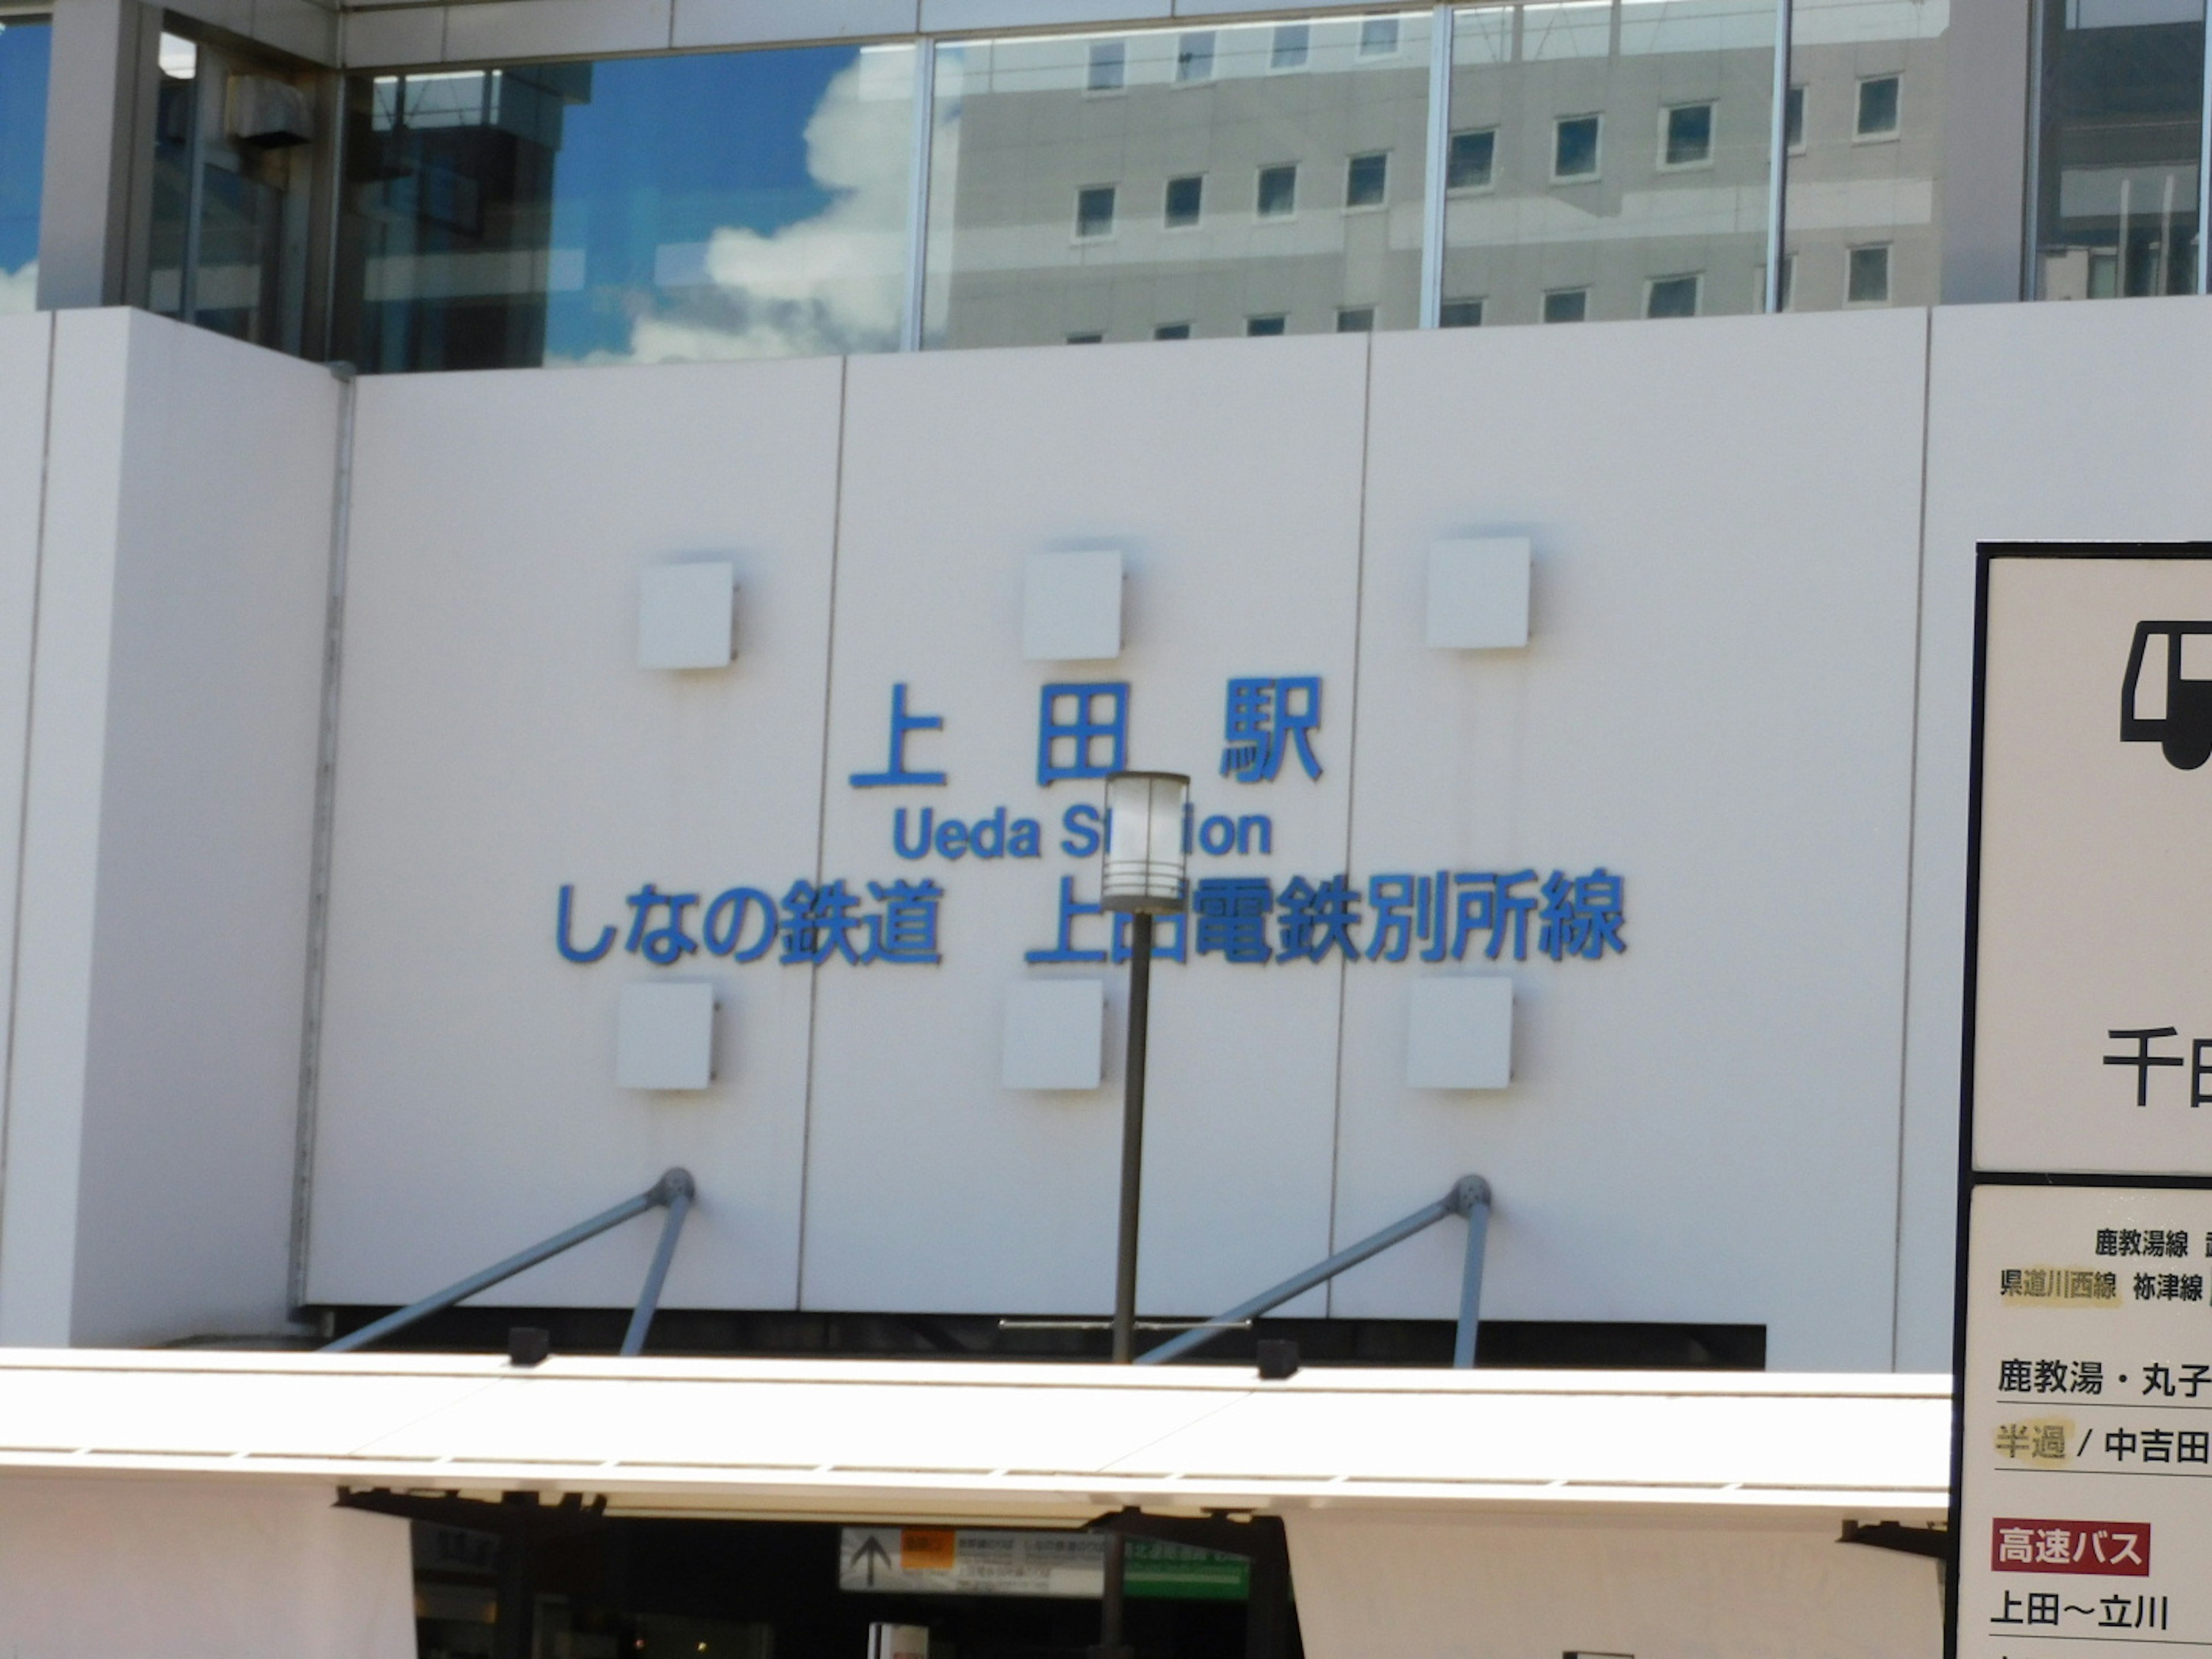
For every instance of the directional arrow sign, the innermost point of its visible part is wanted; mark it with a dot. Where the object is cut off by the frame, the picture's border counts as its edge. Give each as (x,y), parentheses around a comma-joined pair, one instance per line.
(867,1557)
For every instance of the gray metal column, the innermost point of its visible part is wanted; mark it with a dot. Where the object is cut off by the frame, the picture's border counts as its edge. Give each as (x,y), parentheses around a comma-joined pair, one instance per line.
(1475,1192)
(674,1186)
(1777,167)
(100,99)
(1436,180)
(917,196)
(1468,1192)
(680,1192)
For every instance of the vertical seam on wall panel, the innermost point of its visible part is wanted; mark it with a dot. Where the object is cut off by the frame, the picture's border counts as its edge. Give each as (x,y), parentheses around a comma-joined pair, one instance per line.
(1350,792)
(1912,847)
(318,878)
(821,833)
(23,803)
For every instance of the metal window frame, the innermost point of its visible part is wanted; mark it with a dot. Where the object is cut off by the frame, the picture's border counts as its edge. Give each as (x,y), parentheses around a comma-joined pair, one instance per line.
(2204,158)
(917,197)
(1778,161)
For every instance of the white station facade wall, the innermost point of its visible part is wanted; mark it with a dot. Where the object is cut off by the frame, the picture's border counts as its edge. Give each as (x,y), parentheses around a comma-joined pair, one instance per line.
(1715,708)
(1743,695)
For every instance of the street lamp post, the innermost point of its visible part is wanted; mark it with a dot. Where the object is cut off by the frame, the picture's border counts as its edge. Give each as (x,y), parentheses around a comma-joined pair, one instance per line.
(1146,874)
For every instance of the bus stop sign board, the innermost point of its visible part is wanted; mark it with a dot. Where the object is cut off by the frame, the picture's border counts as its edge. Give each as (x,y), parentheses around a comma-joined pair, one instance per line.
(2082,1497)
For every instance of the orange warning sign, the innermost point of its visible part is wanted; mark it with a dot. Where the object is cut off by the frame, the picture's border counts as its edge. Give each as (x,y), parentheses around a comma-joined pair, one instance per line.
(928,1549)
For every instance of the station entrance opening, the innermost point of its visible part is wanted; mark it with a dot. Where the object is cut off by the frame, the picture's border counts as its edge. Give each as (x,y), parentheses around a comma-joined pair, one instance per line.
(562,1582)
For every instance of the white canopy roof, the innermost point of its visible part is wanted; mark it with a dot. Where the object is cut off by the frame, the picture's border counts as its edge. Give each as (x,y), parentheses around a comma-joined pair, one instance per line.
(929,1440)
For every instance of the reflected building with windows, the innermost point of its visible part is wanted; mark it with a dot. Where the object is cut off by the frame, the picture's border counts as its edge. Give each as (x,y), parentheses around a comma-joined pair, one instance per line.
(1864,133)
(1516,162)
(1266,178)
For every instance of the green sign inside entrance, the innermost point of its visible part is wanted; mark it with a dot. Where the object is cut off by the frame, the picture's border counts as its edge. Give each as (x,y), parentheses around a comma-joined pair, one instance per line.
(1178,1572)
(987,1561)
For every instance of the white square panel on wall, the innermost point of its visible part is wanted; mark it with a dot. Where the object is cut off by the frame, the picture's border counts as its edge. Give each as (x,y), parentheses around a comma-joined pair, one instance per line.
(1071,605)
(664,1035)
(1477,592)
(1055,1034)
(687,615)
(1459,1033)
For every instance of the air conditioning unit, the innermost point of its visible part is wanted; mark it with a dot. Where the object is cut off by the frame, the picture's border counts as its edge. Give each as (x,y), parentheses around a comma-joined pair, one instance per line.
(269,114)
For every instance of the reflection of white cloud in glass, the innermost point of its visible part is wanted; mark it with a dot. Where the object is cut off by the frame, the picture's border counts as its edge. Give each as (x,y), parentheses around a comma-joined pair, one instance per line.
(824,285)
(19,289)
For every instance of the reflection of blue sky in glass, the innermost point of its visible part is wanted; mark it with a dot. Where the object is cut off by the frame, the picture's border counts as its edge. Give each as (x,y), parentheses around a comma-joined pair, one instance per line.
(23,52)
(730,203)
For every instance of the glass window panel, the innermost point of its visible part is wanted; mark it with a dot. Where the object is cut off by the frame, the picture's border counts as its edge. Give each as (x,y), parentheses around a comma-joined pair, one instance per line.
(228,231)
(1868,281)
(1094,211)
(240,263)
(176,117)
(1262,246)
(1367,180)
(719,204)
(1172,331)
(26,45)
(1688,141)
(1186,200)
(1864,149)
(1356,319)
(1574,147)
(1878,101)
(1626,165)
(1460,313)
(1793,120)
(1672,296)
(1470,159)
(2116,200)
(1108,64)
(1378,37)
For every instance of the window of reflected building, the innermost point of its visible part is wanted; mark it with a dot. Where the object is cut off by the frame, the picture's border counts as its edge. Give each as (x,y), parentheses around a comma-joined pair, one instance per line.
(2116,198)
(1617,165)
(26,46)
(1865,139)
(1309,137)
(650,209)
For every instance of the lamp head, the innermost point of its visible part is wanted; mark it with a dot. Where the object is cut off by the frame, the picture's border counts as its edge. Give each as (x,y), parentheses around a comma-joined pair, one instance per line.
(1147,860)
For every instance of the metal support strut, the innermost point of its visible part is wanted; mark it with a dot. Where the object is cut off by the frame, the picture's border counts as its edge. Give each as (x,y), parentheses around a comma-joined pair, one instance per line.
(1469,1196)
(673,1192)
